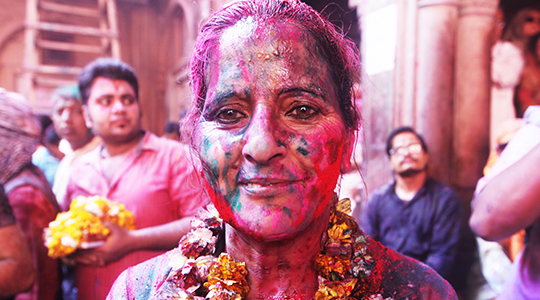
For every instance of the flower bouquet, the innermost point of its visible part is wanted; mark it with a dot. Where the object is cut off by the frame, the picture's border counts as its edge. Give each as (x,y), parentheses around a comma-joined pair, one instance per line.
(82,226)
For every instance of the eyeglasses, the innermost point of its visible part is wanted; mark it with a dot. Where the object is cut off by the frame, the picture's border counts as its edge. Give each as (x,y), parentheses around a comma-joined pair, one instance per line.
(532,19)
(413,148)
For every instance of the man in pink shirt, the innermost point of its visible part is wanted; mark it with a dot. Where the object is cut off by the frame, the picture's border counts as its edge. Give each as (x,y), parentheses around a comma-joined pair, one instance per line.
(154,177)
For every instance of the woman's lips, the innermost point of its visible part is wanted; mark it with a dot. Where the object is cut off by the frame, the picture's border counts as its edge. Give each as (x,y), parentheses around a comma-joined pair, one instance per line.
(266,187)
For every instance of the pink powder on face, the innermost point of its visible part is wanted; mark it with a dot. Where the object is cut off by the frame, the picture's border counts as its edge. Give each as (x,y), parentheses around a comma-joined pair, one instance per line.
(277,118)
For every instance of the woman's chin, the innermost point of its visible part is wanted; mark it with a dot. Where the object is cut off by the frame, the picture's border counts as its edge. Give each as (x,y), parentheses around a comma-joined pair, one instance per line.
(272,228)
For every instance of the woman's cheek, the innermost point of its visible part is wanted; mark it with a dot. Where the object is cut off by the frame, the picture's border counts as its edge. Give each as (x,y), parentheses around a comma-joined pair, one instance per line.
(220,152)
(319,151)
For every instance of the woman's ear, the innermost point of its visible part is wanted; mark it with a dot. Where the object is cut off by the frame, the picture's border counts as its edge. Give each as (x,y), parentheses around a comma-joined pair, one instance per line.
(348,148)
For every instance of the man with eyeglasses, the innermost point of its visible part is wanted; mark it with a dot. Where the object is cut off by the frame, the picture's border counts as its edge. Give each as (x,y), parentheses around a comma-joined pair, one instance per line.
(414,214)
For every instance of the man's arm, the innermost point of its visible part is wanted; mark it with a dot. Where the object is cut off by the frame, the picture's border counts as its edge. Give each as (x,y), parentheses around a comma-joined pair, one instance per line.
(16,267)
(185,189)
(510,201)
(122,241)
(446,235)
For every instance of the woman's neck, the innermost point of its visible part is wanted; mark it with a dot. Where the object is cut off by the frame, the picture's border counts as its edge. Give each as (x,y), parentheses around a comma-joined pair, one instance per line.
(282,269)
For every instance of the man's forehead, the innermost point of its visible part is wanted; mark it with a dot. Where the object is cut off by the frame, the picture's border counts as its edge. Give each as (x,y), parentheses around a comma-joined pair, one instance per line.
(102,86)
(404,137)
(66,102)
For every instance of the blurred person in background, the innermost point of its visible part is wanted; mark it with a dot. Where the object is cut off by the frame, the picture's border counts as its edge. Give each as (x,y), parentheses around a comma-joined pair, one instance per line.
(16,268)
(172,131)
(152,176)
(495,258)
(528,90)
(415,214)
(69,122)
(508,62)
(47,156)
(28,191)
(506,201)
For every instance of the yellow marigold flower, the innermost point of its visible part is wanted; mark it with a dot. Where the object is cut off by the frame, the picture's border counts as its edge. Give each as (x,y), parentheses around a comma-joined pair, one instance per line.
(83,222)
(226,273)
(329,290)
(326,264)
(338,234)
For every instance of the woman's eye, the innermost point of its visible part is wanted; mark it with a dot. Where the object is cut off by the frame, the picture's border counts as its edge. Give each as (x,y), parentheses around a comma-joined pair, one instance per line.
(303,112)
(230,116)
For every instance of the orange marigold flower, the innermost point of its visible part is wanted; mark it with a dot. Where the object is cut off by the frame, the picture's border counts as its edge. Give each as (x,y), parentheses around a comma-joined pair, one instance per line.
(226,273)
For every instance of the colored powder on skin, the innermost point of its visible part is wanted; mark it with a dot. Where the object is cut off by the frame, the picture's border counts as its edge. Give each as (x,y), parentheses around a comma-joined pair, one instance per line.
(234,202)
(302,151)
(236,205)
(287,211)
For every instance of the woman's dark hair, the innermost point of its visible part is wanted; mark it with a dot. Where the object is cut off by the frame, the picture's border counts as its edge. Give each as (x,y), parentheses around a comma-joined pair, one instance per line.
(532,46)
(402,129)
(107,67)
(340,52)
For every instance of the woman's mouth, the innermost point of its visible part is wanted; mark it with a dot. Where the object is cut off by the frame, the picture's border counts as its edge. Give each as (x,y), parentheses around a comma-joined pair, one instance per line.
(266,187)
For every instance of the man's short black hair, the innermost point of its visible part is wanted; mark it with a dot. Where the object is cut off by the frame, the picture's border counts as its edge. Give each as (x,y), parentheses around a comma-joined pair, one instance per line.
(66,92)
(402,129)
(107,67)
(45,121)
(51,136)
(172,127)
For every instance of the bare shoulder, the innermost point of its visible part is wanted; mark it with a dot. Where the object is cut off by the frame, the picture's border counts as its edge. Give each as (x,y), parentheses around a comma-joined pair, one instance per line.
(401,277)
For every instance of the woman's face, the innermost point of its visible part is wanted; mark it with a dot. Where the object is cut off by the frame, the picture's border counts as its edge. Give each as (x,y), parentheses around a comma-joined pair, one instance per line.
(271,136)
(531,26)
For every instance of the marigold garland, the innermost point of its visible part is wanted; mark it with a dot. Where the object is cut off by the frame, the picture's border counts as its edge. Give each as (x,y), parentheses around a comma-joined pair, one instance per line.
(344,263)
(83,223)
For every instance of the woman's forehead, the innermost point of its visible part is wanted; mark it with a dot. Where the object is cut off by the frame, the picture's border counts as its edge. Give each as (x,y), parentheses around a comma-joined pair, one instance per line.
(276,33)
(267,56)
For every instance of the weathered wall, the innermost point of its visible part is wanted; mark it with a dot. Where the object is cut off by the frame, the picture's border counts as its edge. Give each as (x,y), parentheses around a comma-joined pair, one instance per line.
(156,38)
(12,14)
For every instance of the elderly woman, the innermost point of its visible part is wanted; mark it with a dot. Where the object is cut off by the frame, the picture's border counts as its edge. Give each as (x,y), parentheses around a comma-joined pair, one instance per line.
(273,124)
(28,191)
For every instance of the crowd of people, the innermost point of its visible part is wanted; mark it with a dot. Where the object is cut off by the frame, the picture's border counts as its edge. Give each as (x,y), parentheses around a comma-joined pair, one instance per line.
(240,202)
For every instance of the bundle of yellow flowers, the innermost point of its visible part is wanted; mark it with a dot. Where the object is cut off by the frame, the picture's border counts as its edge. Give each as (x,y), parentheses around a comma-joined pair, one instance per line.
(82,227)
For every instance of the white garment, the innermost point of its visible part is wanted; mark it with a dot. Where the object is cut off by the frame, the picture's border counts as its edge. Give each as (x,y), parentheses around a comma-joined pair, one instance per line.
(495,264)
(506,64)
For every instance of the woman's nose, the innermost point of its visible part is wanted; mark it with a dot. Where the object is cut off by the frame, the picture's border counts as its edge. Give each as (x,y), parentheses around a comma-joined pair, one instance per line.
(262,139)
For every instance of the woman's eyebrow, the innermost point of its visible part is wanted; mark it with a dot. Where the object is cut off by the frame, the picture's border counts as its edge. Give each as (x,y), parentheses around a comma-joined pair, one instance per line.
(223,96)
(301,90)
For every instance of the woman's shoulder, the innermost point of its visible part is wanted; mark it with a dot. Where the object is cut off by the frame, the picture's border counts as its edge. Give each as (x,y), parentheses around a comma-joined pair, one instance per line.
(401,277)
(143,280)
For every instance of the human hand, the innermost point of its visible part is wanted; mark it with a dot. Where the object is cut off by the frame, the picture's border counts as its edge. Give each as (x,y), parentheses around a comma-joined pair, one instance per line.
(119,242)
